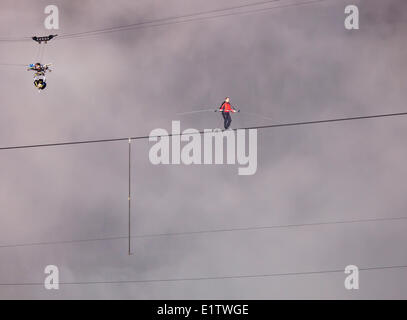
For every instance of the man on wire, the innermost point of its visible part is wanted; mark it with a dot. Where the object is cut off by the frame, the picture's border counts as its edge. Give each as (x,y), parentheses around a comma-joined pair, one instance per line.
(226,108)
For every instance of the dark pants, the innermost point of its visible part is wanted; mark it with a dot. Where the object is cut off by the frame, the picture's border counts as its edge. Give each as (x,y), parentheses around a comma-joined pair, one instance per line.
(228,119)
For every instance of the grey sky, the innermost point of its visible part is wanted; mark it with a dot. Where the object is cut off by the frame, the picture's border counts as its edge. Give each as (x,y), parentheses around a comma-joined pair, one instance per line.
(290,64)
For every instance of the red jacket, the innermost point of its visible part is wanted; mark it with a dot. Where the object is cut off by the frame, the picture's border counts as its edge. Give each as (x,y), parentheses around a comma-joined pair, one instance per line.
(226,107)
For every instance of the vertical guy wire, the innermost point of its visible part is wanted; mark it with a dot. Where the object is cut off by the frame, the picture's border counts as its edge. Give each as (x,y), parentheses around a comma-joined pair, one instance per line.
(42,49)
(129,196)
(37,57)
(42,53)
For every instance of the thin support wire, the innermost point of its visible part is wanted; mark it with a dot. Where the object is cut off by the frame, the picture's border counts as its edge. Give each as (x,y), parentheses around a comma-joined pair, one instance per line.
(129,196)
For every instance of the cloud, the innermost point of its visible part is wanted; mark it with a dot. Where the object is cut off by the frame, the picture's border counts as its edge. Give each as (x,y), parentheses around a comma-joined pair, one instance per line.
(291,64)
